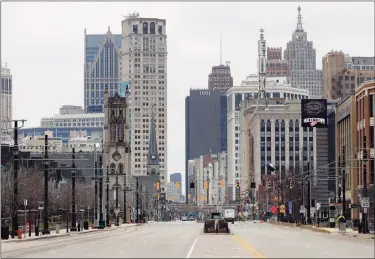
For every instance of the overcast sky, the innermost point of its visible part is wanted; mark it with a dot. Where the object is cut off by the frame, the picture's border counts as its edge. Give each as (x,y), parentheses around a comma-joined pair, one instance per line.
(43,44)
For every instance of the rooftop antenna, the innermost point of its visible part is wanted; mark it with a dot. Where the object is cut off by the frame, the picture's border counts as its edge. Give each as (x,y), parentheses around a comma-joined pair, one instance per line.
(299,19)
(221,53)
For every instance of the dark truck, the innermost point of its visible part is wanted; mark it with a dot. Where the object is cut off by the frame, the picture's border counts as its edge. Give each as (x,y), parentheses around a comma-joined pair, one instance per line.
(216,224)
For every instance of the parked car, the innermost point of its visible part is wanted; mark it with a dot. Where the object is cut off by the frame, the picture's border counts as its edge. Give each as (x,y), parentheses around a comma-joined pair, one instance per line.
(184,218)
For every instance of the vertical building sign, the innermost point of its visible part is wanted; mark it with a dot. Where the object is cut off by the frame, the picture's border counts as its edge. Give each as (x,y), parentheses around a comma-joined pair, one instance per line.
(314,113)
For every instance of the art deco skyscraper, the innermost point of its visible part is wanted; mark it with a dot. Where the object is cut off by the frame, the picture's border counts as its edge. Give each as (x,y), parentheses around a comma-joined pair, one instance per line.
(301,57)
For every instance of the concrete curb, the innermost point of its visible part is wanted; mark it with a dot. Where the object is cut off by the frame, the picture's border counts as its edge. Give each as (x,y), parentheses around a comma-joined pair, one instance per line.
(66,234)
(34,238)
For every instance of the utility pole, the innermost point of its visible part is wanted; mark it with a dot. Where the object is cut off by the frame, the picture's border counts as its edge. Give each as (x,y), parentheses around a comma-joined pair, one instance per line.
(45,211)
(308,193)
(364,210)
(343,183)
(101,222)
(96,195)
(137,198)
(15,202)
(107,205)
(74,212)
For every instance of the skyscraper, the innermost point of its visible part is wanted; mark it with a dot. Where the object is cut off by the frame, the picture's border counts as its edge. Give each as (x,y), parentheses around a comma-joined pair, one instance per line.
(102,52)
(301,57)
(6,104)
(220,78)
(144,69)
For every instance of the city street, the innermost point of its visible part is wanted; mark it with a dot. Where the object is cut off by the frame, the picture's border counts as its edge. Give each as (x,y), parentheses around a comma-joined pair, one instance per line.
(185,240)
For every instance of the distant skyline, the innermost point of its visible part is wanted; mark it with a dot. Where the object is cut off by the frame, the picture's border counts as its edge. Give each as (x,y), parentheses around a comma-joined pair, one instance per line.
(44,47)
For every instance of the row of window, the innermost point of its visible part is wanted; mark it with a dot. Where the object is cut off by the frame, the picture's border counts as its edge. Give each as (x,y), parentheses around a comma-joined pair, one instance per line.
(145,28)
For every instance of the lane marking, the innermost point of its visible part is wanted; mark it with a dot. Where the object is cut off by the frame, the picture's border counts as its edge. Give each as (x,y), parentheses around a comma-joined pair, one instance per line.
(250,249)
(251,253)
(191,248)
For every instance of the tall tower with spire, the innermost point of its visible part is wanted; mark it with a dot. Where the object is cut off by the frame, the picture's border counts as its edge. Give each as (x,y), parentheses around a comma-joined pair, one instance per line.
(153,162)
(301,57)
(117,151)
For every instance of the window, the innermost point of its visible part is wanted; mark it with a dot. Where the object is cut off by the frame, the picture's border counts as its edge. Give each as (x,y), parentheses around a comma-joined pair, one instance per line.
(152,28)
(135,29)
(145,28)
(160,29)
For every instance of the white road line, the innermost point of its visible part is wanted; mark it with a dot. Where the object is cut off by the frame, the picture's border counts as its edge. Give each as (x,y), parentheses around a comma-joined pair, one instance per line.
(191,248)
(122,252)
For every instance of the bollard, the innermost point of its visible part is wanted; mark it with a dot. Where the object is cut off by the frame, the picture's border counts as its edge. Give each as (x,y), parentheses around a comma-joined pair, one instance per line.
(57,229)
(19,233)
(36,228)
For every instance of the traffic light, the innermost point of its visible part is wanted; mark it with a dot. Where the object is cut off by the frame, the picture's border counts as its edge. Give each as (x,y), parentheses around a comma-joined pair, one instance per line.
(177,185)
(206,184)
(238,184)
(291,184)
(158,186)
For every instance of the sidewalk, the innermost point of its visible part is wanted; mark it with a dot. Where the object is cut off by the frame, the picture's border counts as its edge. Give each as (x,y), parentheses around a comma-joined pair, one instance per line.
(350,232)
(62,233)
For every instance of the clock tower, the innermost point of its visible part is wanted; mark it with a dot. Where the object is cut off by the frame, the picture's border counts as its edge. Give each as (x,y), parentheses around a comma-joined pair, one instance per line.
(117,154)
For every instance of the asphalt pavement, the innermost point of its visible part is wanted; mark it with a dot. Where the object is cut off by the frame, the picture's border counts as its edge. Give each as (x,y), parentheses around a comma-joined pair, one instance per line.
(186,240)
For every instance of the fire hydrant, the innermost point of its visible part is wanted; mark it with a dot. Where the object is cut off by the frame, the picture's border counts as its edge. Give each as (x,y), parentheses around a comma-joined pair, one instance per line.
(19,233)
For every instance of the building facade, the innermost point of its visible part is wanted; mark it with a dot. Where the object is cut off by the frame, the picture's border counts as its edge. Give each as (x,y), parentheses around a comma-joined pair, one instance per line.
(365,130)
(73,117)
(301,57)
(176,178)
(341,73)
(207,180)
(144,69)
(205,124)
(276,88)
(346,141)
(276,66)
(6,105)
(101,68)
(220,78)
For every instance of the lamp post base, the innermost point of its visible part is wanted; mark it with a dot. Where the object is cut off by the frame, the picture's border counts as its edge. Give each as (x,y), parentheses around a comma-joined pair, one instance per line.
(46,232)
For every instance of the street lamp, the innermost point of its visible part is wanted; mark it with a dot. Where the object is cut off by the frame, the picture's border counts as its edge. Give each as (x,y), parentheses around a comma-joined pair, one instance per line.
(74,213)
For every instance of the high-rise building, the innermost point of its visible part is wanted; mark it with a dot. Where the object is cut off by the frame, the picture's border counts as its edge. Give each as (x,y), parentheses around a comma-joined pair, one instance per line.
(144,69)
(301,57)
(341,73)
(220,78)
(276,88)
(6,104)
(176,178)
(101,68)
(205,124)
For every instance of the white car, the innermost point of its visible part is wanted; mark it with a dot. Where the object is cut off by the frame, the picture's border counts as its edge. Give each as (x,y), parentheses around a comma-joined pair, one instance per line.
(184,218)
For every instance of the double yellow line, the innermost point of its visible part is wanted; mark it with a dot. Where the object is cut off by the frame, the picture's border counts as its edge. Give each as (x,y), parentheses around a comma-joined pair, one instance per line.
(248,248)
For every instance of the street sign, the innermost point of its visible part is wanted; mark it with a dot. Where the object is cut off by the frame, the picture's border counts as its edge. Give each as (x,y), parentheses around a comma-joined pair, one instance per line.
(318,204)
(25,202)
(365,202)
(40,205)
